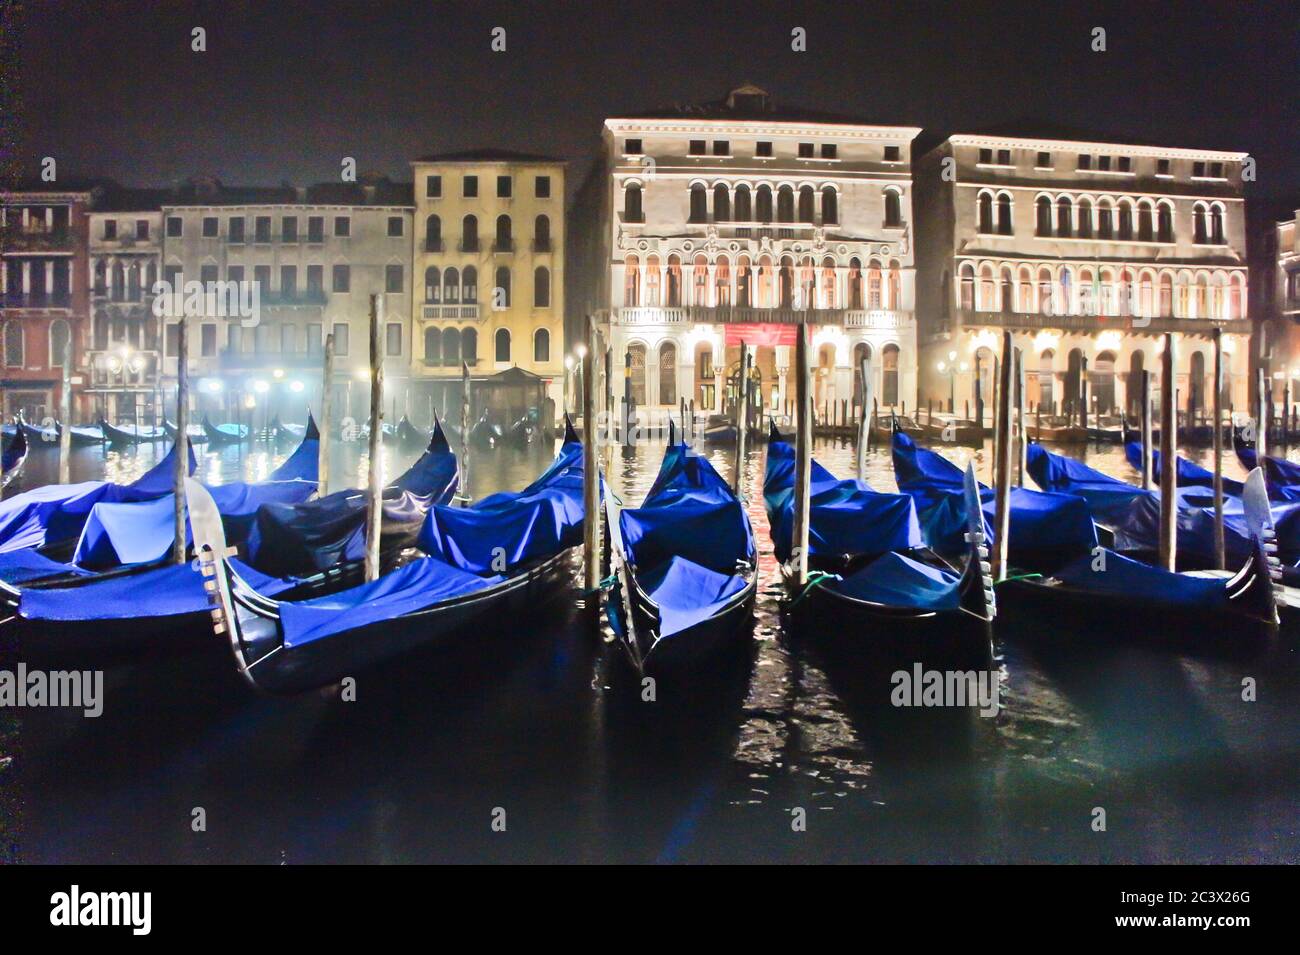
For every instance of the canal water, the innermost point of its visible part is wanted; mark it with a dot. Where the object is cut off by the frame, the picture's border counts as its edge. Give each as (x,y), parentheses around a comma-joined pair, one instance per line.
(793,757)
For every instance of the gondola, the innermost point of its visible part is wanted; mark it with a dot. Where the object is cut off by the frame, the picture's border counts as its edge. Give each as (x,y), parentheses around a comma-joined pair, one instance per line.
(49,437)
(220,435)
(719,429)
(497,561)
(524,431)
(485,434)
(1133,600)
(282,433)
(194,432)
(408,435)
(14,456)
(1186,473)
(293,551)
(121,436)
(874,586)
(1281,476)
(686,566)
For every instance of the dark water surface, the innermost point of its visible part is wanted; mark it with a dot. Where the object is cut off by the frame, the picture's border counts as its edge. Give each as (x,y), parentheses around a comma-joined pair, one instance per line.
(544,721)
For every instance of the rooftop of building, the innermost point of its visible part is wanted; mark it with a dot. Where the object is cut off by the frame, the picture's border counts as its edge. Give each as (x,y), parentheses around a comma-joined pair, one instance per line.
(1032,129)
(750,103)
(490,155)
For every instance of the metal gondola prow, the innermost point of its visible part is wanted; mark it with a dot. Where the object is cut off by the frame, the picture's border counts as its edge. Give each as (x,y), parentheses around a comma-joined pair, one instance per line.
(979,548)
(210,545)
(1259,520)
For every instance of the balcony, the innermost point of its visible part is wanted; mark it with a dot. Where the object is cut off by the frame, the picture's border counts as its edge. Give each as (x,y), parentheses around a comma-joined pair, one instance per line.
(307,298)
(433,245)
(16,240)
(542,245)
(36,300)
(468,245)
(451,312)
(1023,321)
(686,315)
(503,246)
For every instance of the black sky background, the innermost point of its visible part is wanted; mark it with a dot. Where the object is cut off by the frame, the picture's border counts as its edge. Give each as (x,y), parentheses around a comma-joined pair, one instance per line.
(286,89)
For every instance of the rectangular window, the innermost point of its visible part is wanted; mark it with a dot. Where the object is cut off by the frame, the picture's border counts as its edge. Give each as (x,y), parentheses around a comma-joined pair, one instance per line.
(721,147)
(393,344)
(341,280)
(235,230)
(208,340)
(393,278)
(289,229)
(830,151)
(1198,170)
(394,226)
(433,187)
(235,273)
(469,187)
(986,157)
(1216,170)
(110,228)
(342,226)
(1162,167)
(632,147)
(316,229)
(209,227)
(696,148)
(288,338)
(1125,164)
(1085,161)
(173,227)
(315,280)
(262,276)
(207,275)
(504,187)
(288,281)
(763,148)
(542,187)
(341,330)
(1044,161)
(174,277)
(805,150)
(262,229)
(173,339)
(142,229)
(314,341)
(1103,164)
(893,154)
(1004,157)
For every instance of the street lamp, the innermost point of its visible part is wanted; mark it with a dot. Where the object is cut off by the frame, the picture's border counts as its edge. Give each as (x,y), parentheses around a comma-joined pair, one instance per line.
(951,367)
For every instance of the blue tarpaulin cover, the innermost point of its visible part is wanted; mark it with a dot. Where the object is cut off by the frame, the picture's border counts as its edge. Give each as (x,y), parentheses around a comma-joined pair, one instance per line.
(57,512)
(1281,476)
(1047,529)
(304,463)
(687,593)
(1124,577)
(1187,473)
(1109,498)
(896,580)
(511,528)
(847,517)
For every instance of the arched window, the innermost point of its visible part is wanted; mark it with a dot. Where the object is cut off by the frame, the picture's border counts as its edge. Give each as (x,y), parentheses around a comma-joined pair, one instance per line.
(1216,224)
(118,282)
(101,278)
(874,290)
(721,203)
(1006,292)
(101,331)
(987,302)
(631,282)
(807,204)
(652,277)
(766,282)
(1067,296)
(1166,296)
(807,285)
(674,281)
(985,212)
(451,347)
(1085,219)
(1105,220)
(1045,304)
(700,281)
(1064,217)
(966,287)
(785,283)
(469,285)
(469,346)
(830,206)
(1196,379)
(502,343)
(1125,221)
(632,203)
(1043,216)
(636,351)
(1146,227)
(893,209)
(1004,214)
(542,287)
(433,284)
(1202,297)
(855,283)
(1199,230)
(744,294)
(1145,305)
(861,353)
(60,336)
(722,282)
(501,288)
(504,240)
(542,234)
(699,203)
(541,346)
(1046,379)
(889,375)
(1136,365)
(1165,223)
(451,286)
(432,346)
(828,284)
(1236,289)
(1025,287)
(433,234)
(763,205)
(668,374)
(469,234)
(785,204)
(744,206)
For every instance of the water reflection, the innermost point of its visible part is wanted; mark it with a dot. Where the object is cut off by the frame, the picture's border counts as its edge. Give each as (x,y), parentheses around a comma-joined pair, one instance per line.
(543,718)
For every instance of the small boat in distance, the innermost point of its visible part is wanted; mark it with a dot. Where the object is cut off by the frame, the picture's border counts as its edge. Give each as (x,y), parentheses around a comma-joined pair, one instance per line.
(686,566)
(219,435)
(49,436)
(129,434)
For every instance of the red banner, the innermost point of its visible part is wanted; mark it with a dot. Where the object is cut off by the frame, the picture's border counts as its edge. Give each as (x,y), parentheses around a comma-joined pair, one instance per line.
(769,334)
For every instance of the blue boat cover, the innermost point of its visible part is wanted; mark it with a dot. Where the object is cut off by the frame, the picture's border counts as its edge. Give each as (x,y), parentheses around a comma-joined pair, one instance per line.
(14,451)
(846,517)
(1047,528)
(1108,498)
(304,463)
(1187,473)
(687,594)
(897,580)
(1140,528)
(57,512)
(143,532)
(317,535)
(505,530)
(1124,577)
(416,586)
(21,566)
(1281,476)
(170,590)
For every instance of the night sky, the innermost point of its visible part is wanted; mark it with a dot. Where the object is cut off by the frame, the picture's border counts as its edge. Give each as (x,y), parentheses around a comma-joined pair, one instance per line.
(285,90)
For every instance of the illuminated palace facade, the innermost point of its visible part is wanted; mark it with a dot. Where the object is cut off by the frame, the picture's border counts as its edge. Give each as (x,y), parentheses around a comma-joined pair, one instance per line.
(1089,252)
(706,226)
